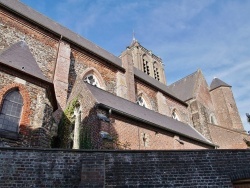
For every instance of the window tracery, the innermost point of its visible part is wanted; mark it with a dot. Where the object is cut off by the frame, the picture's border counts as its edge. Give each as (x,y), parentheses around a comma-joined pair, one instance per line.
(91,79)
(140,100)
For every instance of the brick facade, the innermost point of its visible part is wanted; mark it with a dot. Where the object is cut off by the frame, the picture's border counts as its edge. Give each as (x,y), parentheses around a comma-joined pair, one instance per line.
(43,45)
(36,111)
(64,62)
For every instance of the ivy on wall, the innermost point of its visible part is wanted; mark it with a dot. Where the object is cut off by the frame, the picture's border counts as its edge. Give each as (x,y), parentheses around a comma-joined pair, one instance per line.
(66,126)
(66,129)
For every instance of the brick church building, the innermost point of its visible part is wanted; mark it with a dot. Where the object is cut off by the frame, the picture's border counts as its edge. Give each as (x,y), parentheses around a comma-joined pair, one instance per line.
(58,89)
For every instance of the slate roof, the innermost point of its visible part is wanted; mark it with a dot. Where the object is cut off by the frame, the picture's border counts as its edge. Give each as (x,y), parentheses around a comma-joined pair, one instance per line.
(19,56)
(58,29)
(132,110)
(184,88)
(216,82)
(156,84)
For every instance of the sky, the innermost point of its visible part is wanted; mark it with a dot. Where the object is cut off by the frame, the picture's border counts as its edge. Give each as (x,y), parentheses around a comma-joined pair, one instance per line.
(210,35)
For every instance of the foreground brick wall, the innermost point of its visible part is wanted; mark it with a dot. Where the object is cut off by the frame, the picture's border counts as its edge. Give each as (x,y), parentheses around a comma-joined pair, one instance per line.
(74,168)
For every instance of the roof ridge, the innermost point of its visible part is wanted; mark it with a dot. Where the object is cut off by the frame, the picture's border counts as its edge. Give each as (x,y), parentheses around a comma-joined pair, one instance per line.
(183,78)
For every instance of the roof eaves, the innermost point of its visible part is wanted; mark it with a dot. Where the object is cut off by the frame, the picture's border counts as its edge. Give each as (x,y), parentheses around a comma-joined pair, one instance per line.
(101,105)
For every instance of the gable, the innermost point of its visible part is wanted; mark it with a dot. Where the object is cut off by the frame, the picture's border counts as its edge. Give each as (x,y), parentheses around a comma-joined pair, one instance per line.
(18,56)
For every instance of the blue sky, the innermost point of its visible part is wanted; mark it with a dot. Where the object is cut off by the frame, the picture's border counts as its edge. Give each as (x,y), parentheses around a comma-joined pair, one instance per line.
(210,35)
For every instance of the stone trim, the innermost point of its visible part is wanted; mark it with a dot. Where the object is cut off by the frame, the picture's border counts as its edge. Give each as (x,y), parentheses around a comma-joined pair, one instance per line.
(26,112)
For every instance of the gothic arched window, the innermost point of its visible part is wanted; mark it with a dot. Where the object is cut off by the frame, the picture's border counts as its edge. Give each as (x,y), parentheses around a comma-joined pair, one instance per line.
(91,79)
(11,111)
(175,115)
(141,101)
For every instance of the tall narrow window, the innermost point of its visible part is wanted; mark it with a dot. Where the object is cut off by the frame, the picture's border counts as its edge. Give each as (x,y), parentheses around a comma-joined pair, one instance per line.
(11,111)
(146,66)
(156,72)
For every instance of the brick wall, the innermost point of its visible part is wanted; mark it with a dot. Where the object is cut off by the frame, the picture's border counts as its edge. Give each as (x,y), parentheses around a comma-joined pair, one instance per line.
(141,88)
(226,109)
(78,168)
(166,105)
(81,60)
(42,45)
(140,136)
(227,138)
(182,111)
(36,112)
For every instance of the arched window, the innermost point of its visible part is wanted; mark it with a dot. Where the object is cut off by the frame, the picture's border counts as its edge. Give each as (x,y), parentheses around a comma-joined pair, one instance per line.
(175,115)
(11,111)
(91,79)
(140,100)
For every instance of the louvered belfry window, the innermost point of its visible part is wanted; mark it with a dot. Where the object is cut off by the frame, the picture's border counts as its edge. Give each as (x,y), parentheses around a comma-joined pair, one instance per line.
(11,111)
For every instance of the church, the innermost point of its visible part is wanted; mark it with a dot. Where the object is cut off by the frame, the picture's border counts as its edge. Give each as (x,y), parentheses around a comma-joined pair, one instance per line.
(59,90)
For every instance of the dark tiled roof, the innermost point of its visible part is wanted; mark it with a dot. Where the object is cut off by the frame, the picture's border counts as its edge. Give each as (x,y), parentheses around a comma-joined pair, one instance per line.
(19,57)
(44,21)
(184,88)
(145,115)
(218,83)
(156,84)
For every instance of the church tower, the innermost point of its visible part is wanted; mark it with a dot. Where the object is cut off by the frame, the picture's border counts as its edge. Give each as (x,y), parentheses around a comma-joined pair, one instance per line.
(147,62)
(225,106)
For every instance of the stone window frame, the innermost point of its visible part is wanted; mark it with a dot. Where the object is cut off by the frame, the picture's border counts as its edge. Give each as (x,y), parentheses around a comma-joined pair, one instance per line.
(175,114)
(26,111)
(96,74)
(145,98)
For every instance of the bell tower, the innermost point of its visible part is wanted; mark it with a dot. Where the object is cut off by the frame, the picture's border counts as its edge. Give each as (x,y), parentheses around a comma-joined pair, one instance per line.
(147,62)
